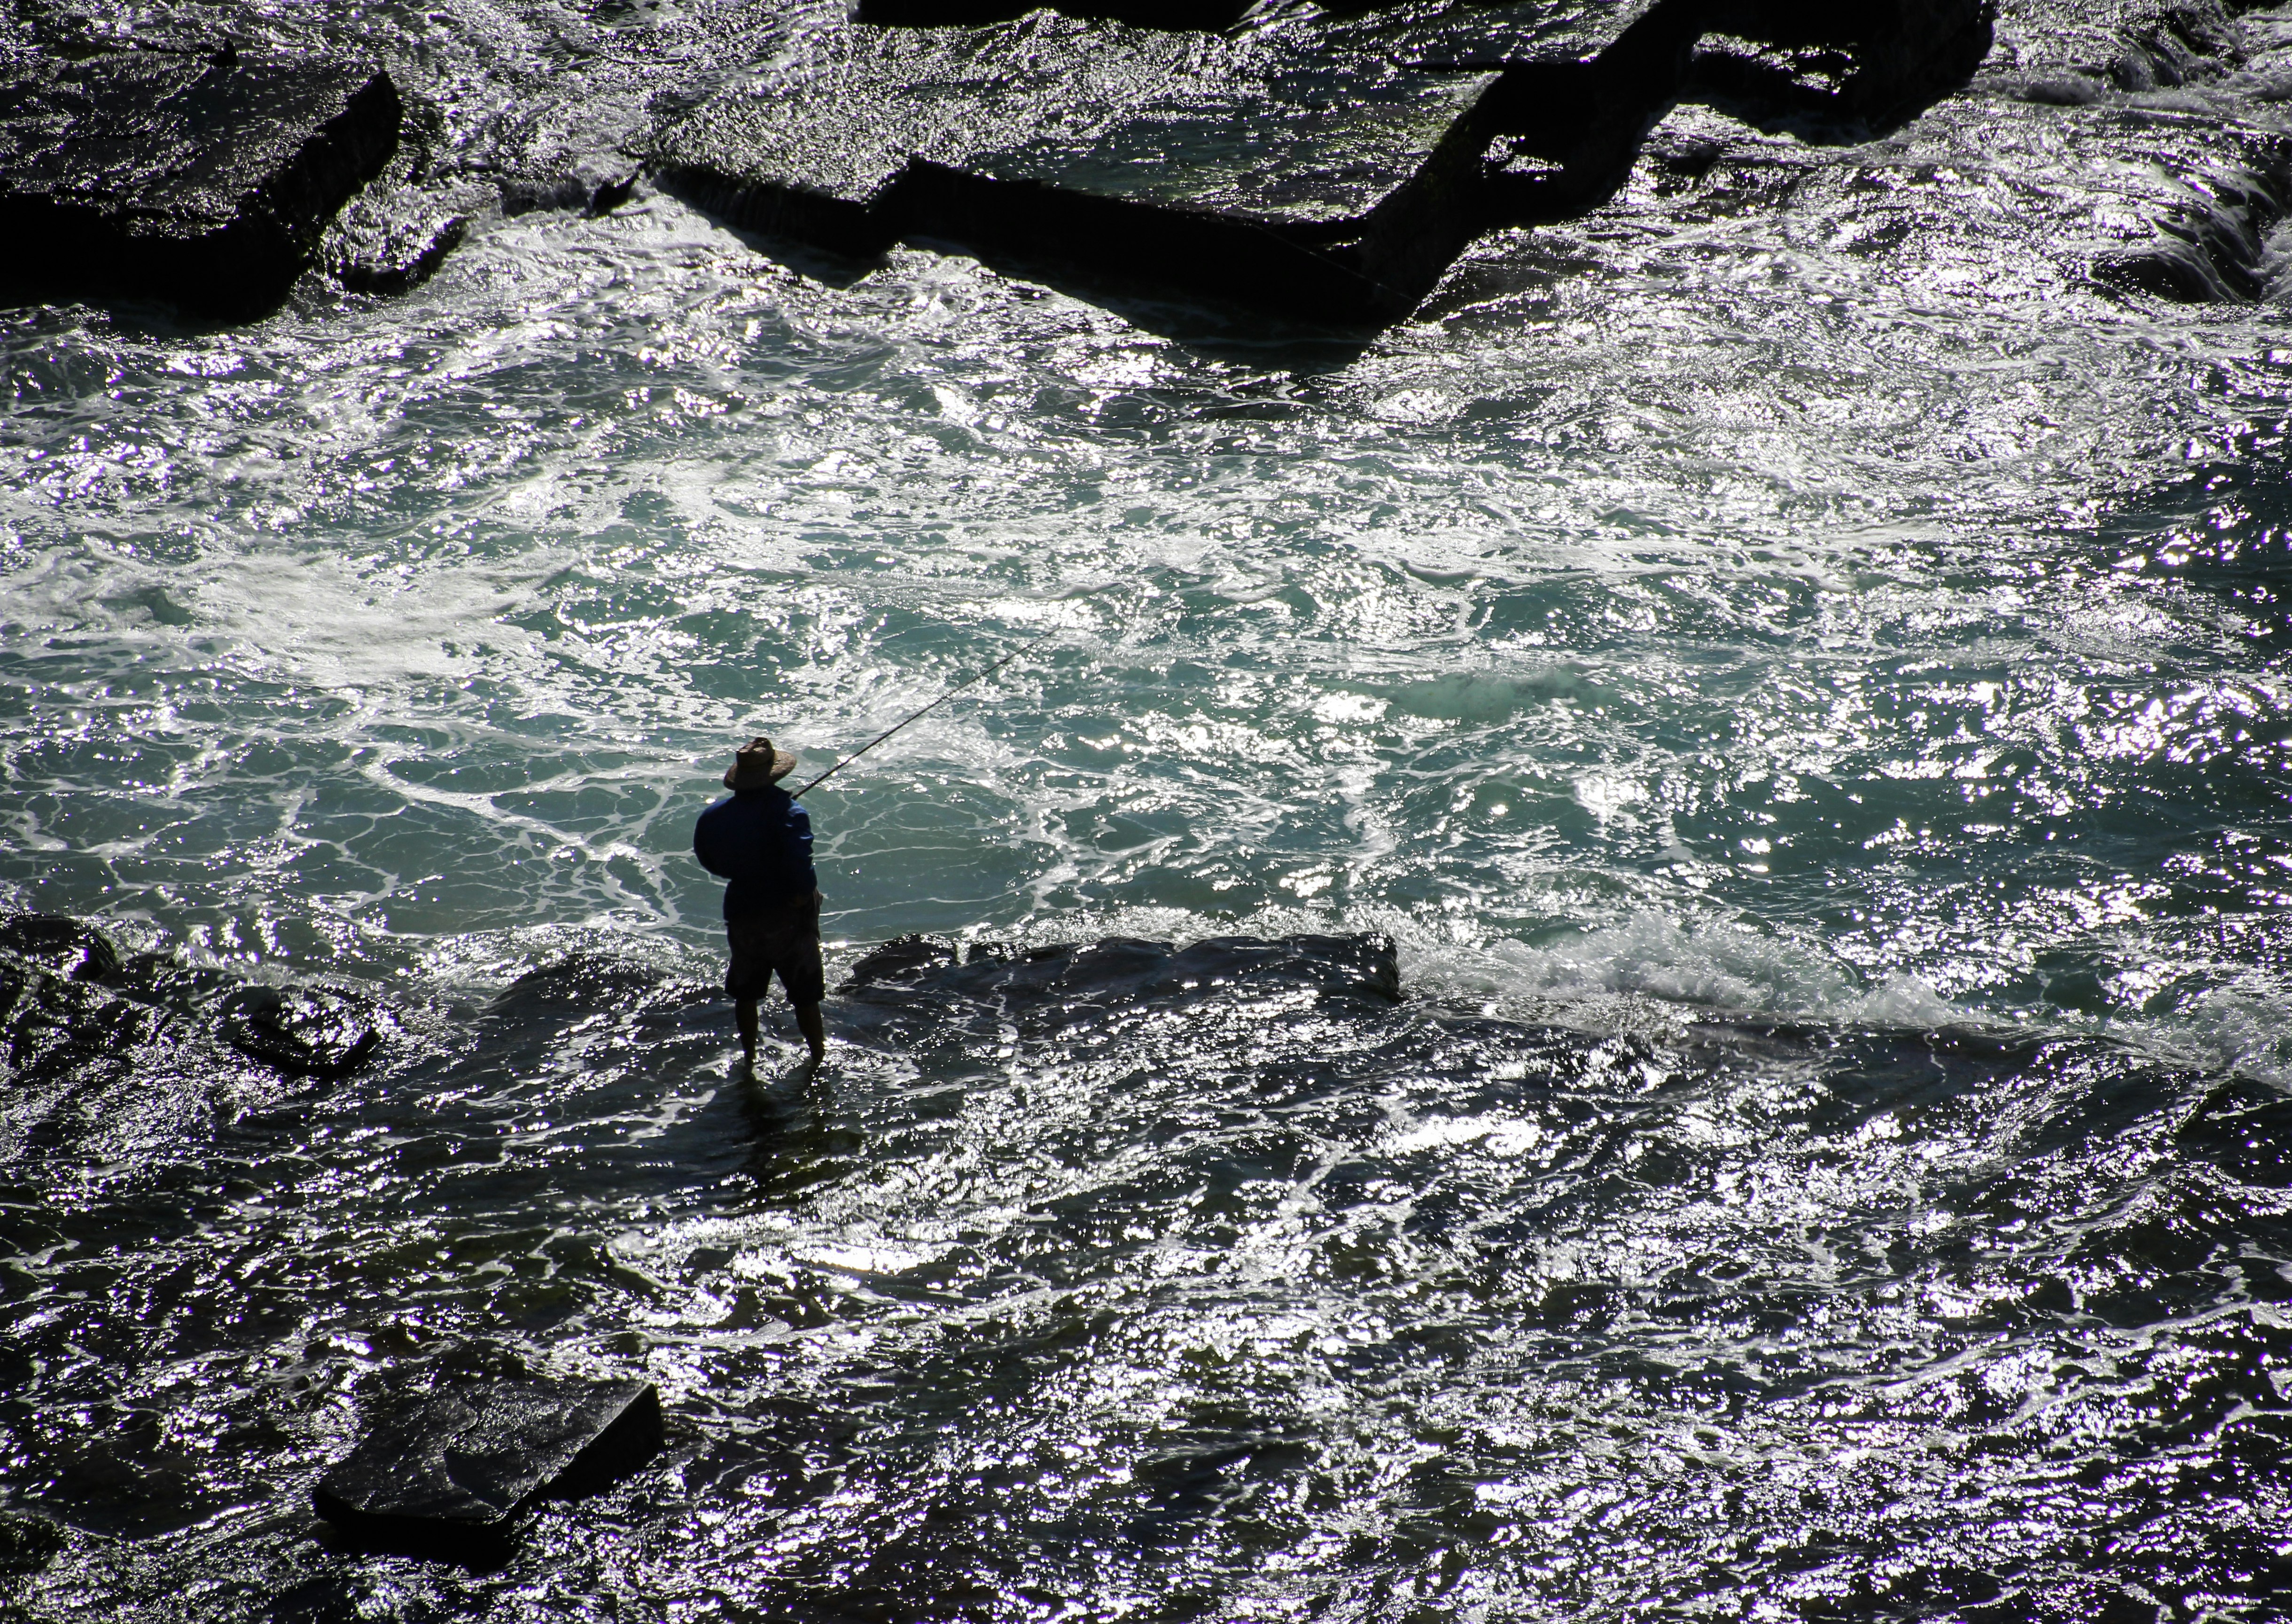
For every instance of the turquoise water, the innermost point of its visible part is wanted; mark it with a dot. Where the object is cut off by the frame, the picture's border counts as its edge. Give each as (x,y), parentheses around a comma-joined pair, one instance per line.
(1697,628)
(1813,719)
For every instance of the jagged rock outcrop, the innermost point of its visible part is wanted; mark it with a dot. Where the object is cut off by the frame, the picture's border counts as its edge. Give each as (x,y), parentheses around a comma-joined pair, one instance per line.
(1325,175)
(201,183)
(1328,167)
(1241,168)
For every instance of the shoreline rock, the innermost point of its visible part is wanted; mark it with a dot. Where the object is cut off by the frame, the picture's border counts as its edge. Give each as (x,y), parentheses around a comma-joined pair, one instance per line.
(201,183)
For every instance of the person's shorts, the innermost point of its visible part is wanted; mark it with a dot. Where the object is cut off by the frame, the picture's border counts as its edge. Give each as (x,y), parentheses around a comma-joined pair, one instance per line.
(784,942)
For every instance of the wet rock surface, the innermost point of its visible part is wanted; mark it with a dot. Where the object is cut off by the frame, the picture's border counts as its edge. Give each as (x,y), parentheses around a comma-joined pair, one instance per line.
(1330,166)
(453,1474)
(69,947)
(301,1030)
(381,246)
(203,182)
(1106,1268)
(902,984)
(1330,172)
(26,1543)
(74,1010)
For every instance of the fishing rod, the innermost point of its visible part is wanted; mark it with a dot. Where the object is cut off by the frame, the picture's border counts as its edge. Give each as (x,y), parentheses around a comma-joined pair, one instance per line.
(966,682)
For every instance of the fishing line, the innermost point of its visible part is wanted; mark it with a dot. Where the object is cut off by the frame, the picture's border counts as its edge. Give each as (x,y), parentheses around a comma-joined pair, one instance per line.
(979,676)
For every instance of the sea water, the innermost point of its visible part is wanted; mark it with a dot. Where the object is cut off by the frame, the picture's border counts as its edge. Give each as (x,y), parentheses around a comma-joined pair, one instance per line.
(1719,657)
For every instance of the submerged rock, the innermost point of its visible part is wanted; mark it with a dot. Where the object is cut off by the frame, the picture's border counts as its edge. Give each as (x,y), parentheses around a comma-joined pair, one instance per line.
(71,1010)
(203,184)
(452,1475)
(57,1031)
(302,1031)
(69,947)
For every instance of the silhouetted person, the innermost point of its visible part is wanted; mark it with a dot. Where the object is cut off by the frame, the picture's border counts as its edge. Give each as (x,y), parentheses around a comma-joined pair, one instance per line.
(759,840)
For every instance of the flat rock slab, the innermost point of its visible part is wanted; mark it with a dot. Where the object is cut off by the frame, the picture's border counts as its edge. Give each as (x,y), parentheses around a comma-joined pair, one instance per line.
(202,184)
(1247,169)
(452,1475)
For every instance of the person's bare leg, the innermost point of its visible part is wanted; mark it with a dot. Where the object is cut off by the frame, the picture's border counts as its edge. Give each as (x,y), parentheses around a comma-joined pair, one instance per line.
(814,1030)
(746,1010)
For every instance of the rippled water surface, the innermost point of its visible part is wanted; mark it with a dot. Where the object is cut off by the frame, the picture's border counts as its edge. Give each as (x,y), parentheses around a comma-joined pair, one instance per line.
(1812,717)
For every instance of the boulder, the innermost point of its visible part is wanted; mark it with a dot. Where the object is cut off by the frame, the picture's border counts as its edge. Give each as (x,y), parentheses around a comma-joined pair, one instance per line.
(385,247)
(453,1474)
(311,1031)
(204,184)
(901,959)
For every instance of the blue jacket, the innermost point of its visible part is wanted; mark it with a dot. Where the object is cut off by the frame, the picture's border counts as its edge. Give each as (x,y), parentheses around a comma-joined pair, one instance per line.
(761,841)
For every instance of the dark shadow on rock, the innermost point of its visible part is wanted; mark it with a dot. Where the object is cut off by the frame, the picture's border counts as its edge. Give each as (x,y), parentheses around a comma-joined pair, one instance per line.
(1329,184)
(201,182)
(1295,342)
(453,1475)
(1044,988)
(1827,74)
(815,263)
(1324,188)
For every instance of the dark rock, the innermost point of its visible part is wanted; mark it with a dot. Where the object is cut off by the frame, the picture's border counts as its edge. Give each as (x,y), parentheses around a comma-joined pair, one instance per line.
(1140,13)
(904,958)
(176,983)
(578,984)
(452,1475)
(386,246)
(302,1031)
(1902,53)
(1248,170)
(1055,985)
(27,1543)
(587,187)
(63,1031)
(1824,72)
(2174,44)
(66,946)
(2066,90)
(204,184)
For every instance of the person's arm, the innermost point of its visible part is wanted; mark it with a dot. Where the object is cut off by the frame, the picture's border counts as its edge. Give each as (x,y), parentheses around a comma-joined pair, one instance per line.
(708,846)
(800,875)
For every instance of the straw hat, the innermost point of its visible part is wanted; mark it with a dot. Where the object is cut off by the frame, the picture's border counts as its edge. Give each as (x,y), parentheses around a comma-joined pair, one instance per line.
(758,765)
